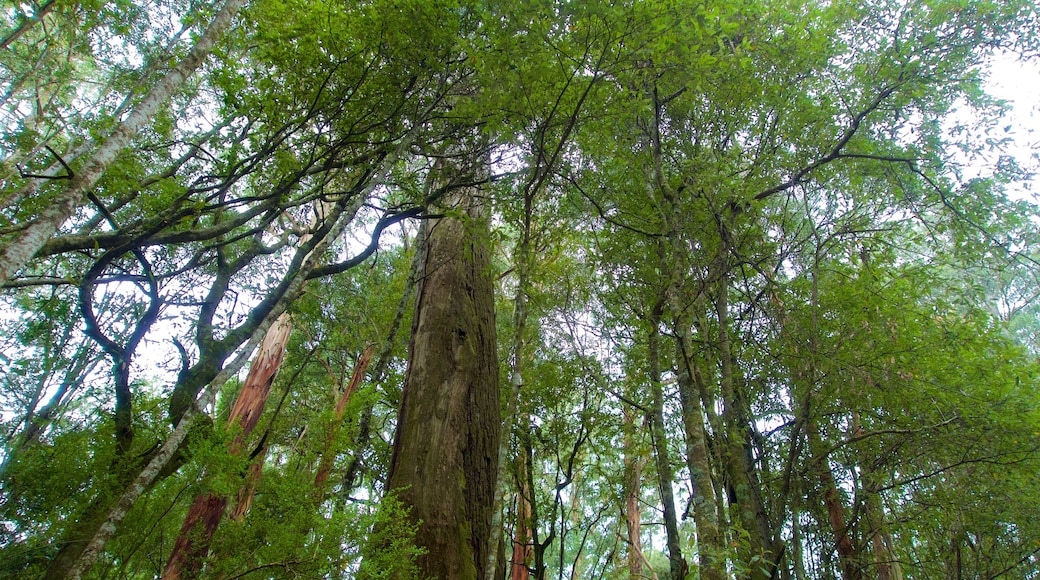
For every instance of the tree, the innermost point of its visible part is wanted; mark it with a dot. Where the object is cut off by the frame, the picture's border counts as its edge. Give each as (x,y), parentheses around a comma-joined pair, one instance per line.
(761,298)
(445,456)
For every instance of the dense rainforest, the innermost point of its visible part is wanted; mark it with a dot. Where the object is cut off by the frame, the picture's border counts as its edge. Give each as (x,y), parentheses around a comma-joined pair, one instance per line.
(542,289)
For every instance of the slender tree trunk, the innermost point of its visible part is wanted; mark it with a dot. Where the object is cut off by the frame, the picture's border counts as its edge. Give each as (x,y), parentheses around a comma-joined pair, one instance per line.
(20,250)
(847,553)
(364,435)
(523,540)
(192,545)
(710,540)
(244,499)
(27,23)
(445,456)
(634,463)
(516,381)
(328,452)
(677,564)
(745,495)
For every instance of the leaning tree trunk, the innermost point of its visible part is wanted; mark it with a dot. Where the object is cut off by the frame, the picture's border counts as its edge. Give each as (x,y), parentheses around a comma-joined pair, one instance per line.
(192,545)
(21,249)
(445,454)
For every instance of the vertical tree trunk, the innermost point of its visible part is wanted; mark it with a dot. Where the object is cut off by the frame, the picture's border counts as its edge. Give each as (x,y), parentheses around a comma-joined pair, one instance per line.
(676,562)
(445,456)
(634,463)
(746,497)
(523,539)
(192,545)
(516,380)
(710,541)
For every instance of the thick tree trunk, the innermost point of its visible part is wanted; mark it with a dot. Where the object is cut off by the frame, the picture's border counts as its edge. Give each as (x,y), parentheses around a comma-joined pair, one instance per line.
(20,250)
(445,456)
(192,544)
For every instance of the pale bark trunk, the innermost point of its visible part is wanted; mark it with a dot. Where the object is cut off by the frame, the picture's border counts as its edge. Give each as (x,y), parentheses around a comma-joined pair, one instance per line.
(20,250)
(85,557)
(445,455)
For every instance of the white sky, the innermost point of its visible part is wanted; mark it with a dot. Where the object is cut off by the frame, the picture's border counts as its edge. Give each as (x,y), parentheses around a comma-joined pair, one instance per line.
(1018,83)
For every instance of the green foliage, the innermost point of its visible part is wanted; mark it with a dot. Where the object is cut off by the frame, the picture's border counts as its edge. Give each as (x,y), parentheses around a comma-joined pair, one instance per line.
(834,173)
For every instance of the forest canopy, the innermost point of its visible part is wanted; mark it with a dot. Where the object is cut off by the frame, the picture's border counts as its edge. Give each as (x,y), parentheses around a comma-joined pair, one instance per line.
(486,289)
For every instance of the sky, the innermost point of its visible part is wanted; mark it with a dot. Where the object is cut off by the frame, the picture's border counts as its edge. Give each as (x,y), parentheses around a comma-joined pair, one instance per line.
(1018,83)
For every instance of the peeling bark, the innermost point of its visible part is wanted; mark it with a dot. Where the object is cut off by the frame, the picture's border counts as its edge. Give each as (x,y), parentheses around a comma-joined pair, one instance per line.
(192,545)
(328,454)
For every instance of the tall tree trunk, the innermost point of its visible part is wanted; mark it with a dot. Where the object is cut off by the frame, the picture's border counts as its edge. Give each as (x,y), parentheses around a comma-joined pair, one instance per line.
(523,260)
(16,253)
(710,540)
(634,463)
(192,545)
(445,454)
(676,562)
(745,495)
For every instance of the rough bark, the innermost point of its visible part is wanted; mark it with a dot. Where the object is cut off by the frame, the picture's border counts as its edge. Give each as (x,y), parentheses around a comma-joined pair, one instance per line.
(20,250)
(445,455)
(192,544)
